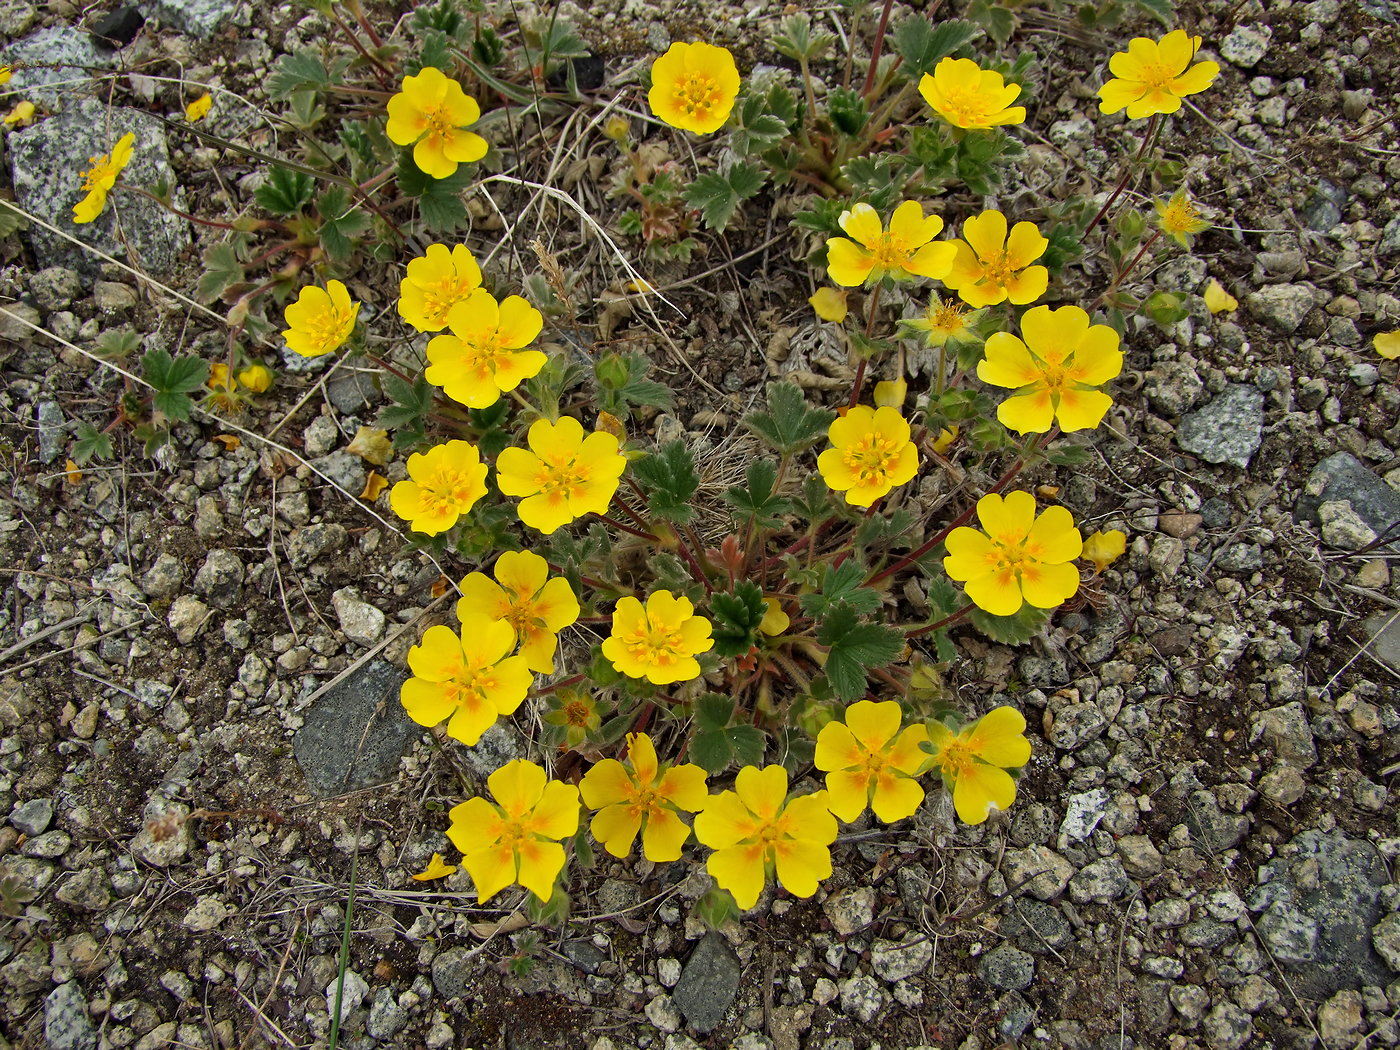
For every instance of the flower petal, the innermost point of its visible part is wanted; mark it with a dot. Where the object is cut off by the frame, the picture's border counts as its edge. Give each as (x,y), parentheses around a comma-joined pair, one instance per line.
(998,737)
(986,233)
(980,790)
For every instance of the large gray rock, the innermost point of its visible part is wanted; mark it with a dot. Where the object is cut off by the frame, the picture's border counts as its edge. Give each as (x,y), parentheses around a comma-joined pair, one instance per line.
(708,983)
(355,734)
(196,17)
(53,67)
(47,161)
(1320,899)
(1227,428)
(1342,478)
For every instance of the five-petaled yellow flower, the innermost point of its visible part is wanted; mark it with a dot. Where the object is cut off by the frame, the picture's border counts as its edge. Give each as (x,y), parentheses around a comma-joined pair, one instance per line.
(872,454)
(1179,218)
(1152,76)
(1104,548)
(443,483)
(989,267)
(1387,344)
(436,282)
(468,679)
(1055,373)
(517,840)
(902,252)
(564,475)
(645,798)
(693,87)
(870,761)
(944,321)
(536,607)
(658,641)
(485,355)
(755,829)
(21,116)
(968,96)
(431,113)
(320,320)
(199,108)
(974,761)
(1020,557)
(99,179)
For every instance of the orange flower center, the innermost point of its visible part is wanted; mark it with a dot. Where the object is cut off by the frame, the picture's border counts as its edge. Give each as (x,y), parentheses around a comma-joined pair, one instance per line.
(998,269)
(577,714)
(1180,216)
(566,479)
(522,616)
(871,458)
(1156,76)
(328,327)
(696,95)
(955,758)
(442,295)
(437,123)
(659,646)
(947,318)
(102,173)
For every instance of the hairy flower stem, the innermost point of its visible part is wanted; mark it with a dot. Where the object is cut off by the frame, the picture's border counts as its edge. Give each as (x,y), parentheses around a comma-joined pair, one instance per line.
(876,48)
(1148,140)
(650,536)
(947,621)
(1123,273)
(563,683)
(873,305)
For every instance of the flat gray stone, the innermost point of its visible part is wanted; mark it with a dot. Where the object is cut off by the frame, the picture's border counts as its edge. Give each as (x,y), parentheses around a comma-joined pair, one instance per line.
(708,983)
(1341,477)
(52,67)
(46,162)
(355,734)
(196,17)
(1281,306)
(66,1022)
(1226,429)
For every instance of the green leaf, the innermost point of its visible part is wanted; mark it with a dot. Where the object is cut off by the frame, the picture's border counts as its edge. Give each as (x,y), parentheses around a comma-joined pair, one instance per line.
(622,383)
(1064,246)
(755,127)
(285,192)
(222,270)
(11,221)
(670,479)
(796,40)
(824,216)
(813,503)
(842,585)
(847,109)
(170,375)
(878,180)
(442,17)
(711,750)
(854,647)
(409,404)
(923,45)
(1165,308)
(488,48)
(714,710)
(718,196)
(790,424)
(339,223)
(1068,455)
(756,502)
(91,444)
(1162,10)
(748,744)
(441,204)
(995,19)
(434,49)
(1011,630)
(736,618)
(302,71)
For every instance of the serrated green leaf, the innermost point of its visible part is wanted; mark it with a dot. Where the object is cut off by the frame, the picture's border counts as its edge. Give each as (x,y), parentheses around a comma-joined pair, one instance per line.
(877,180)
(747,743)
(756,502)
(670,480)
(790,424)
(755,127)
(841,585)
(923,45)
(824,215)
(714,710)
(91,444)
(340,223)
(999,22)
(718,196)
(302,71)
(736,617)
(1162,10)
(222,270)
(1011,630)
(855,646)
(409,403)
(285,192)
(170,375)
(711,750)
(847,109)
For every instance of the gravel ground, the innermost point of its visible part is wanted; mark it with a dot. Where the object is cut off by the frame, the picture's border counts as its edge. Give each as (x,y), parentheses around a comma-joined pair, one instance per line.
(199,652)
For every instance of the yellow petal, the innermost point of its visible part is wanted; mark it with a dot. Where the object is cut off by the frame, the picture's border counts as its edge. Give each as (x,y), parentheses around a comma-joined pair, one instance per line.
(829,304)
(372,445)
(981,790)
(1218,300)
(1387,344)
(375,485)
(437,868)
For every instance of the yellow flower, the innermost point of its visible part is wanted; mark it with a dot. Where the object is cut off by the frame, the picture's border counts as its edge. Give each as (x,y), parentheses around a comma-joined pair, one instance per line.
(1152,76)
(1019,558)
(444,483)
(968,96)
(658,642)
(199,108)
(829,304)
(872,454)
(891,393)
(485,356)
(646,798)
(468,680)
(256,378)
(974,761)
(1104,548)
(1218,300)
(431,113)
(516,841)
(1054,372)
(945,321)
(536,607)
(1179,218)
(693,87)
(219,379)
(1387,344)
(21,116)
(436,282)
(989,268)
(870,761)
(755,829)
(320,320)
(564,476)
(437,869)
(775,621)
(99,179)
(6,72)
(902,252)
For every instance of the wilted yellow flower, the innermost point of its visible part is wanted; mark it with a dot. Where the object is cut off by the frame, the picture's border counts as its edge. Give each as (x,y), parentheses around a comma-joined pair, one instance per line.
(902,252)
(372,445)
(375,485)
(974,761)
(435,283)
(871,454)
(199,108)
(256,377)
(320,319)
(1218,300)
(431,113)
(658,641)
(642,796)
(1387,344)
(437,868)
(99,179)
(1179,218)
(71,471)
(22,115)
(1104,548)
(693,87)
(870,761)
(945,438)
(891,393)
(944,321)
(989,267)
(1152,76)
(775,621)
(829,304)
(1019,558)
(443,483)
(968,96)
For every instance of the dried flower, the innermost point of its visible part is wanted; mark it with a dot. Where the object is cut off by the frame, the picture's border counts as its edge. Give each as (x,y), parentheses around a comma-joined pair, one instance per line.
(1019,558)
(989,267)
(1104,548)
(443,483)
(871,454)
(974,761)
(437,869)
(643,796)
(1387,344)
(431,113)
(902,252)
(658,642)
(968,96)
(1152,76)
(829,304)
(320,320)
(693,87)
(870,761)
(21,116)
